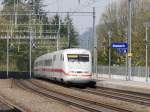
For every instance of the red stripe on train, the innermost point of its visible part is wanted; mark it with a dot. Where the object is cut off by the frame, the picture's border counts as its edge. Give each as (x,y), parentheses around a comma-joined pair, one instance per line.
(60,71)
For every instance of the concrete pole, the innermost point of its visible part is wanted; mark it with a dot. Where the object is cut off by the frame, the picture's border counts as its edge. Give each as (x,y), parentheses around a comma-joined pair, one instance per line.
(30,47)
(7,56)
(58,34)
(30,53)
(129,39)
(15,11)
(109,35)
(146,54)
(69,35)
(95,44)
(68,32)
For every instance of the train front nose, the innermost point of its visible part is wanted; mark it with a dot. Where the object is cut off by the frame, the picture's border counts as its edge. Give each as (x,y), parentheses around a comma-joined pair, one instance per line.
(79,77)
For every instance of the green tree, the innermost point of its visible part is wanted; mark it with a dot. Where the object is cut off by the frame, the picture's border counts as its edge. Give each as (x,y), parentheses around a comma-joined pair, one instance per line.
(64,25)
(73,32)
(15,24)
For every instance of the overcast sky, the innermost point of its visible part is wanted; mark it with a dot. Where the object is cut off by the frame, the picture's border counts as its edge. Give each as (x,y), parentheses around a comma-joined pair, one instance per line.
(82,22)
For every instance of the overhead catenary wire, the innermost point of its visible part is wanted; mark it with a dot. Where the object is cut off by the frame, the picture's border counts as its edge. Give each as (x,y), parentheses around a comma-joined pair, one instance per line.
(85,4)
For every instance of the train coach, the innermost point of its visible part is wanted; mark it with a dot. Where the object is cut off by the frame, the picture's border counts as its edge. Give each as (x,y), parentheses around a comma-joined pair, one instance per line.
(66,66)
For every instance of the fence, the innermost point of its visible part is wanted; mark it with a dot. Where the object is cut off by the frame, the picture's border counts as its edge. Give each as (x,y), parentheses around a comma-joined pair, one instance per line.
(121,72)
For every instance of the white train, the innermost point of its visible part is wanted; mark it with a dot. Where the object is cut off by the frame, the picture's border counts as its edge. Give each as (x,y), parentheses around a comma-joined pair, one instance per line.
(66,66)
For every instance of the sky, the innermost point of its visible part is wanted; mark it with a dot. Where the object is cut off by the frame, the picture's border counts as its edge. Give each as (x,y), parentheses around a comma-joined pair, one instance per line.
(82,22)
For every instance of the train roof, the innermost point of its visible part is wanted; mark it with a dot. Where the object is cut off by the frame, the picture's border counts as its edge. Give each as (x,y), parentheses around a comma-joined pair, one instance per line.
(63,51)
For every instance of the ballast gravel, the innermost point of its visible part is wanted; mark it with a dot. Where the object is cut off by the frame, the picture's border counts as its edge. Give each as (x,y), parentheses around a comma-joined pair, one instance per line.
(31,102)
(105,100)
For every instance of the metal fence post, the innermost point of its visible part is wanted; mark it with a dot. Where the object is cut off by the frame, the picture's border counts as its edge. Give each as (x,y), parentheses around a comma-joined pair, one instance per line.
(146,60)
(7,56)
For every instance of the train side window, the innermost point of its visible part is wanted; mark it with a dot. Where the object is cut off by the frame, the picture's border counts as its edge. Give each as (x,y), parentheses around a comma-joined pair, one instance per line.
(54,57)
(41,63)
(36,64)
(49,62)
(46,63)
(61,57)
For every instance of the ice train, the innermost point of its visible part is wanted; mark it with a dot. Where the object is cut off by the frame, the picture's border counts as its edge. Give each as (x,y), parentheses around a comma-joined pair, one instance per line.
(66,66)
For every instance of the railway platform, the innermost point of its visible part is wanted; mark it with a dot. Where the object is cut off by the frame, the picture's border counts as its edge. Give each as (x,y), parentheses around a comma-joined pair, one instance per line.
(134,86)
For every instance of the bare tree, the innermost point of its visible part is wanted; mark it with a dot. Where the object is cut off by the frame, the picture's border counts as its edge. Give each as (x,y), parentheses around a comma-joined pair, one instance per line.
(114,19)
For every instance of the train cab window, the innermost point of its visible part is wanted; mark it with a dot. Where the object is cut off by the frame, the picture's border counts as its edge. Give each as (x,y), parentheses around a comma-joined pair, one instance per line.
(78,57)
(84,57)
(72,57)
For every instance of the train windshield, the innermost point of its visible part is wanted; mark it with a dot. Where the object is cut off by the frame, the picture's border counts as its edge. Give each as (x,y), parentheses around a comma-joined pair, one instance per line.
(78,57)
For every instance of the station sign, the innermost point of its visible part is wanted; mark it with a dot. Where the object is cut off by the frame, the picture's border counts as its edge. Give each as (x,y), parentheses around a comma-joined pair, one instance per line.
(119,45)
(122,50)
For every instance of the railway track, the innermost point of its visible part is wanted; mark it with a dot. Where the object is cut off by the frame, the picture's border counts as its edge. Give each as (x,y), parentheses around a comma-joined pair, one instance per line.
(78,102)
(8,107)
(128,96)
